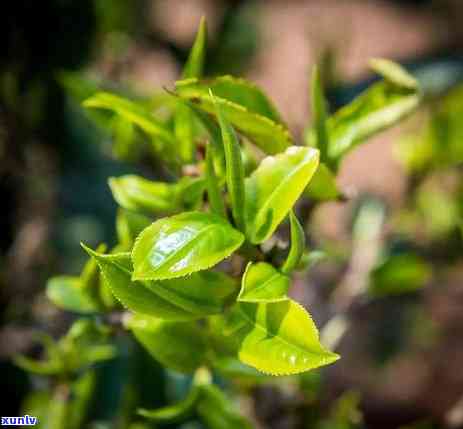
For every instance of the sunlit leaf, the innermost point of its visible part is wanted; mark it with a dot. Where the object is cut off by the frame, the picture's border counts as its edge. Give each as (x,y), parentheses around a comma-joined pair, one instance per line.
(184,130)
(262,282)
(177,345)
(182,244)
(245,106)
(277,338)
(274,187)
(394,73)
(234,167)
(297,245)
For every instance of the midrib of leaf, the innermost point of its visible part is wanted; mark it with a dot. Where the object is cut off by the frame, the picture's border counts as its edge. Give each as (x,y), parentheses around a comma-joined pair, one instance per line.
(274,193)
(261,286)
(184,249)
(283,340)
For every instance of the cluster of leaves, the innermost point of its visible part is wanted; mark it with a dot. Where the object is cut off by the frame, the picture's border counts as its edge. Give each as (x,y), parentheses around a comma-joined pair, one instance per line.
(196,272)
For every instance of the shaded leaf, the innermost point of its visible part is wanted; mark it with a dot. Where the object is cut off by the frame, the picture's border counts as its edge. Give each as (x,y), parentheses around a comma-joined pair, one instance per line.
(297,245)
(277,338)
(234,167)
(323,185)
(69,294)
(176,345)
(182,244)
(274,187)
(262,282)
(319,112)
(213,187)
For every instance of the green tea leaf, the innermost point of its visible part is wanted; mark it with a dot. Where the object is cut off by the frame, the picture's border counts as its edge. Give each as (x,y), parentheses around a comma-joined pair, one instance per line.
(195,64)
(184,130)
(297,245)
(245,107)
(69,294)
(183,244)
(277,338)
(164,140)
(138,194)
(394,73)
(399,274)
(274,187)
(180,346)
(262,282)
(319,112)
(135,296)
(234,167)
(213,186)
(217,411)
(177,413)
(128,225)
(323,185)
(375,110)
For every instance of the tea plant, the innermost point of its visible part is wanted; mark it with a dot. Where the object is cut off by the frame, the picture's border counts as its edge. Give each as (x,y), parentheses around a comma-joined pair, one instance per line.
(198,275)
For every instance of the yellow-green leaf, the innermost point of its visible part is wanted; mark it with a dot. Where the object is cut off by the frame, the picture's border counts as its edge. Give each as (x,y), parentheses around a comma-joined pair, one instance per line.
(262,282)
(297,245)
(277,338)
(195,64)
(274,187)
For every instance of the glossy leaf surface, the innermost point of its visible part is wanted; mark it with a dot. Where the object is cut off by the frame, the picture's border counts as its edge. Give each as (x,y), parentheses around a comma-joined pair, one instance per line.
(262,282)
(177,345)
(182,244)
(277,338)
(256,119)
(274,187)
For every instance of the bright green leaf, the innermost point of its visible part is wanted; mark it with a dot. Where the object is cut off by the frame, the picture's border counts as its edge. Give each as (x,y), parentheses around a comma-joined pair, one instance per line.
(319,112)
(184,129)
(274,187)
(277,338)
(297,245)
(394,73)
(244,106)
(182,244)
(262,282)
(177,345)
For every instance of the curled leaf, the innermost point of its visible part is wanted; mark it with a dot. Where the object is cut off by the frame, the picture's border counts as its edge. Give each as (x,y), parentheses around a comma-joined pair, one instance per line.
(297,245)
